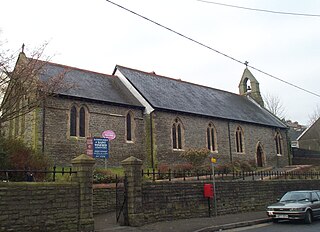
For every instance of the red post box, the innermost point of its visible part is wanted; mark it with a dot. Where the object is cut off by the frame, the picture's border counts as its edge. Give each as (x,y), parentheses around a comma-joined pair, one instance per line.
(208,190)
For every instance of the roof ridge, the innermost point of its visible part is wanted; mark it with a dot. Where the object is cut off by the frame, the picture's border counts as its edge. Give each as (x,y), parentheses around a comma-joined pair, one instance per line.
(178,80)
(73,68)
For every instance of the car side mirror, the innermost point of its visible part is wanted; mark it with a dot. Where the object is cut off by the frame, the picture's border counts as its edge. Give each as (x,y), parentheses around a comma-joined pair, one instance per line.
(278,199)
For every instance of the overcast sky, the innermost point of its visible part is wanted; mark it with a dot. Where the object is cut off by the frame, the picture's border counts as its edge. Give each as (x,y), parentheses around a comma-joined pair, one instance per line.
(96,35)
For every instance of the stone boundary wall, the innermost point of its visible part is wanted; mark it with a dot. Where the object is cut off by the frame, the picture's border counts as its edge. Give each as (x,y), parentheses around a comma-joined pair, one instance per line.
(149,202)
(173,200)
(39,206)
(104,198)
(170,200)
(50,206)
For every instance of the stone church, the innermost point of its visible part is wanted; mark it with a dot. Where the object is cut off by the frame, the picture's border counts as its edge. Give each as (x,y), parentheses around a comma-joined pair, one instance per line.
(154,117)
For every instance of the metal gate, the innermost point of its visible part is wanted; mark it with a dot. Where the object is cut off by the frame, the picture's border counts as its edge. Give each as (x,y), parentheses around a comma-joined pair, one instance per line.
(121,201)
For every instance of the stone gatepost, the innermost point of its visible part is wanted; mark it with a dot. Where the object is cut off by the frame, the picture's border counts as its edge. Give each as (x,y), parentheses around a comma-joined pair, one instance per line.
(83,165)
(132,169)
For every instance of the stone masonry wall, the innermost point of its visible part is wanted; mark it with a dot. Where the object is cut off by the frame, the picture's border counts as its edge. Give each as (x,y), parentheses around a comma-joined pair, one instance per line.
(50,206)
(195,137)
(39,206)
(61,147)
(172,200)
(104,198)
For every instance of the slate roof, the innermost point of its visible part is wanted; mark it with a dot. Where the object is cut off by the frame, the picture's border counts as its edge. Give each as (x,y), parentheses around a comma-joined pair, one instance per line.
(294,134)
(91,85)
(165,93)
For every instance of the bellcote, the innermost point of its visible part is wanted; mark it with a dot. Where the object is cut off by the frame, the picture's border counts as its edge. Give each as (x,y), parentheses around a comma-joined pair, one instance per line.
(250,86)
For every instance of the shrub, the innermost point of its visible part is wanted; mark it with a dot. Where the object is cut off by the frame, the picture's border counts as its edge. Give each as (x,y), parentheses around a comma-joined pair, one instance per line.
(196,157)
(17,155)
(237,166)
(183,167)
(163,167)
(104,176)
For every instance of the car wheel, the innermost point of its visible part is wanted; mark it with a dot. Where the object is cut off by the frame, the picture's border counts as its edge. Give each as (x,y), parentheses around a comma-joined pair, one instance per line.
(308,217)
(275,220)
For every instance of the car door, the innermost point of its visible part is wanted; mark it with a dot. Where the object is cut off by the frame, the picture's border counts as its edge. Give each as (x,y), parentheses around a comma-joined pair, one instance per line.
(315,204)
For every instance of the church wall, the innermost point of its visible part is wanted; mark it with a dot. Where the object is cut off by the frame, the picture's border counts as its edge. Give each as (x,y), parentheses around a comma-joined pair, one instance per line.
(62,148)
(26,127)
(195,137)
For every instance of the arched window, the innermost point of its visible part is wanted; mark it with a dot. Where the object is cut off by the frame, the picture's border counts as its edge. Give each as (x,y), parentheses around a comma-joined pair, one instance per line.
(179,137)
(73,121)
(174,136)
(129,125)
(239,140)
(82,122)
(278,140)
(211,138)
(177,133)
(78,121)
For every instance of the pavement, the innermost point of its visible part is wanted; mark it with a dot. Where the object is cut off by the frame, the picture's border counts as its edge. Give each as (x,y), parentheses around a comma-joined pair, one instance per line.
(107,222)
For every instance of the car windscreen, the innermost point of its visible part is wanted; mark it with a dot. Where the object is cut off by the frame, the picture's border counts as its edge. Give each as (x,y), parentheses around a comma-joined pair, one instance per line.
(296,196)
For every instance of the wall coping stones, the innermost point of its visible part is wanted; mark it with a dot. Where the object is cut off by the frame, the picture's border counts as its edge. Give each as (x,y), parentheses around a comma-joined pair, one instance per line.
(83,159)
(131,161)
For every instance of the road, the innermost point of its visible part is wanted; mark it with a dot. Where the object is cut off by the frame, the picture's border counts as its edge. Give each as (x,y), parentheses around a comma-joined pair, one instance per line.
(284,226)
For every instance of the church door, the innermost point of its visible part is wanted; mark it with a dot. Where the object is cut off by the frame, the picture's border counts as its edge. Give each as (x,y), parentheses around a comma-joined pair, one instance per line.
(259,156)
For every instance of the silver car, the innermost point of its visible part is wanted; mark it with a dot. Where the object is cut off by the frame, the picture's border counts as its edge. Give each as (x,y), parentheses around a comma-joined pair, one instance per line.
(296,205)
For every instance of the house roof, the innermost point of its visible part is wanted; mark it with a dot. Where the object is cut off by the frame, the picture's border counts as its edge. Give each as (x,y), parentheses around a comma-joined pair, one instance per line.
(90,85)
(309,129)
(165,93)
(294,134)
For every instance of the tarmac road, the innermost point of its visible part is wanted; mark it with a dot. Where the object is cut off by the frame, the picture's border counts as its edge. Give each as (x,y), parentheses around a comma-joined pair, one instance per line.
(284,226)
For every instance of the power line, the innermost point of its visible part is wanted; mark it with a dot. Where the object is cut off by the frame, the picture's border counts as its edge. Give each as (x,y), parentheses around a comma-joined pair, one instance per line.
(212,49)
(261,10)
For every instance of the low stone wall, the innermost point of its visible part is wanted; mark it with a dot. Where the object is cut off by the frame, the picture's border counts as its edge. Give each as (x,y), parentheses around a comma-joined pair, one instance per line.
(104,198)
(39,206)
(149,202)
(50,206)
(244,196)
(173,200)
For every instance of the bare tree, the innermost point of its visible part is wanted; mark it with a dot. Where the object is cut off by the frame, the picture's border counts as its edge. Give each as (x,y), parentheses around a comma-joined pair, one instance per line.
(313,117)
(22,86)
(274,105)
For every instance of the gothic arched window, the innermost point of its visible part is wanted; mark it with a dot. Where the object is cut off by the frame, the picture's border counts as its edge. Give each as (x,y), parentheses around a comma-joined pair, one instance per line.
(82,122)
(211,137)
(129,127)
(278,140)
(78,121)
(73,121)
(239,140)
(177,134)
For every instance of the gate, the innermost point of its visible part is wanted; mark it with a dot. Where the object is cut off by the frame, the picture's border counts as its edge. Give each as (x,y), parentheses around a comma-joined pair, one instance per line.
(121,201)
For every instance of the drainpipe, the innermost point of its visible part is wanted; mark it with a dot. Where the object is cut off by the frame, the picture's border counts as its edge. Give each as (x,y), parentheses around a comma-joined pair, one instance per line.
(43,124)
(151,140)
(229,137)
(289,148)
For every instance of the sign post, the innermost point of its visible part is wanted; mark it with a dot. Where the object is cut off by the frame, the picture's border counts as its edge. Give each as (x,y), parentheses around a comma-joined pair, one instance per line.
(213,162)
(110,135)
